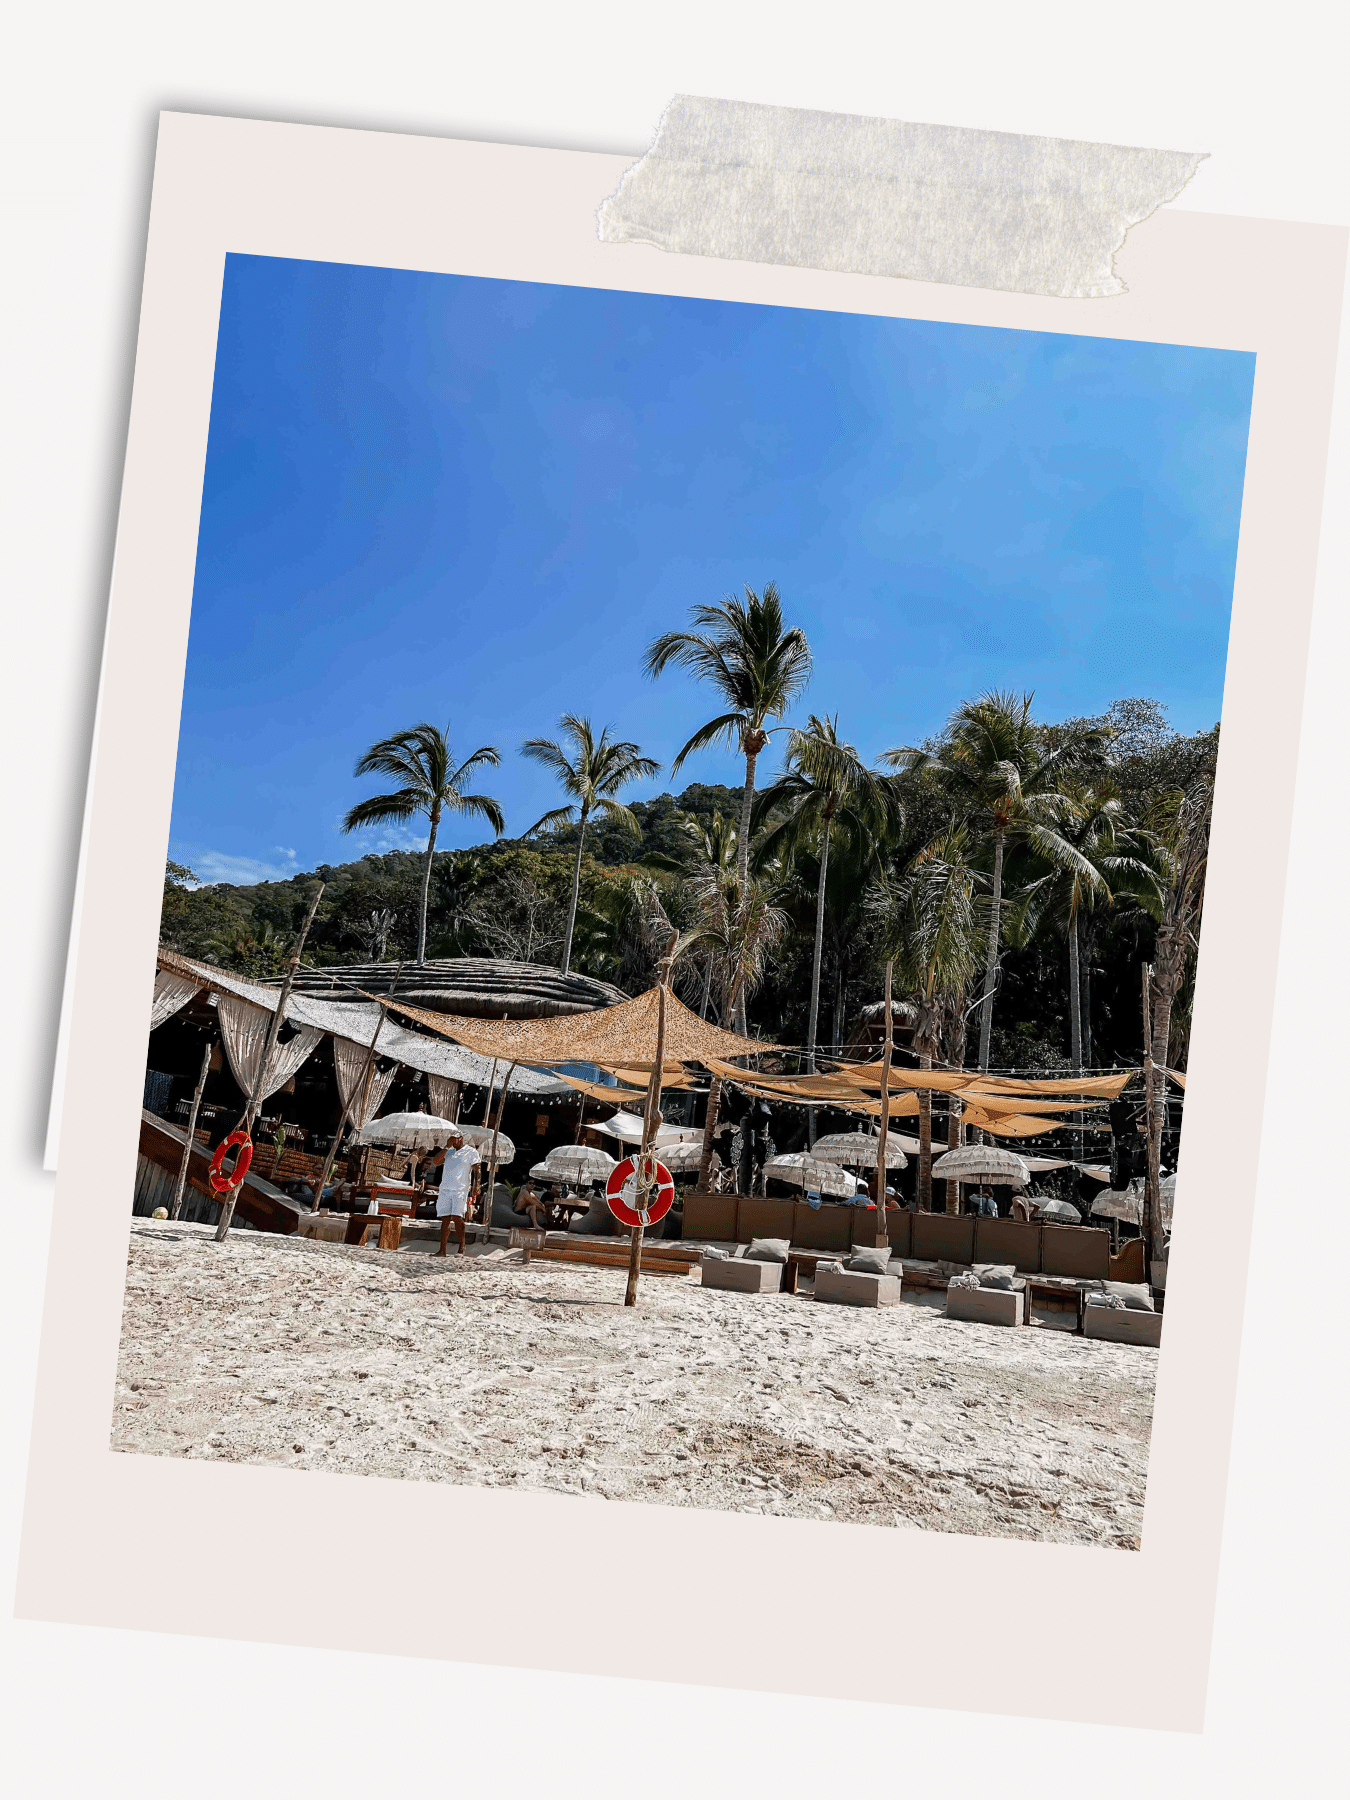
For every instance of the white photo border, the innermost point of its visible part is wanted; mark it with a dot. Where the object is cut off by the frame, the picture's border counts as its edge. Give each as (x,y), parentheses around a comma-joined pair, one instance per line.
(787,1605)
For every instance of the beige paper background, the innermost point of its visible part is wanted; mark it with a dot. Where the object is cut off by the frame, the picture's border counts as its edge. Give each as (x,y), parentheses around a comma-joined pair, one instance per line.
(103,1541)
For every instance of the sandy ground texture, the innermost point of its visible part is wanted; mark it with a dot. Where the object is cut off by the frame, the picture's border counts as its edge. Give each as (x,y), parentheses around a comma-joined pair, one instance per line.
(477,1369)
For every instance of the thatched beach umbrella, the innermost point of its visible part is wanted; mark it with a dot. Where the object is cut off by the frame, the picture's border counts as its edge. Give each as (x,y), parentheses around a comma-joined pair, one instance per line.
(857,1150)
(802,1171)
(982,1163)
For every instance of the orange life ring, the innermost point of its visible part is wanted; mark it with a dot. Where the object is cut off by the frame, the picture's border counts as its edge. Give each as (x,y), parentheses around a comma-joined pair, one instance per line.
(224,1184)
(660,1198)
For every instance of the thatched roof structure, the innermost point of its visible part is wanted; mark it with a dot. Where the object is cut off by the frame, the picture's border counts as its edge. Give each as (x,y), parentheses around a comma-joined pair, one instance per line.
(473,987)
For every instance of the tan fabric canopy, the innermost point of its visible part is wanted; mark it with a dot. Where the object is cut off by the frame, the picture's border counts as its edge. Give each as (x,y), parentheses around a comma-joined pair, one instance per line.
(613,1037)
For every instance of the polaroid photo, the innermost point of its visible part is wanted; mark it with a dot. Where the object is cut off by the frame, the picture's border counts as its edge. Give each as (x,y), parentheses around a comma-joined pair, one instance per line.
(674,979)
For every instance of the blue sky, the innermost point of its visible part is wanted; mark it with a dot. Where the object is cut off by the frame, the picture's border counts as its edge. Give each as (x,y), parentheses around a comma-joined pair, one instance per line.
(476,502)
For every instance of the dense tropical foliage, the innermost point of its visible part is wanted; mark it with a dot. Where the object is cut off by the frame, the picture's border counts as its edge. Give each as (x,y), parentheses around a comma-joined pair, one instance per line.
(1017,870)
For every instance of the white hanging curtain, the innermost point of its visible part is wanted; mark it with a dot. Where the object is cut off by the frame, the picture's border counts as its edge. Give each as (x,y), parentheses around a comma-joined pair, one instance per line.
(443,1095)
(172,993)
(243,1031)
(349,1059)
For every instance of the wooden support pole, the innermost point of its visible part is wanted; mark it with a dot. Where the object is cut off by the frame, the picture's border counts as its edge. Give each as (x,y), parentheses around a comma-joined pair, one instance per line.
(651,1123)
(181,1183)
(492,1159)
(255,1098)
(882,1237)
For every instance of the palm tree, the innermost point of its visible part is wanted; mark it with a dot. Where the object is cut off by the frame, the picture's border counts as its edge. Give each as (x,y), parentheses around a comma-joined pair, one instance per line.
(422,761)
(736,927)
(592,771)
(1000,770)
(757,666)
(934,933)
(716,839)
(1112,862)
(825,785)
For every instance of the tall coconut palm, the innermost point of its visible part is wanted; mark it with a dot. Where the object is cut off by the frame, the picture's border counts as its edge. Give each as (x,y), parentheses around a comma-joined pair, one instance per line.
(1000,771)
(591,770)
(759,667)
(737,927)
(421,760)
(934,936)
(825,785)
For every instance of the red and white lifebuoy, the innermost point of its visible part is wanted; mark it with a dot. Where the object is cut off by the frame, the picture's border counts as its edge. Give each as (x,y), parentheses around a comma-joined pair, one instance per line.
(220,1182)
(621,1191)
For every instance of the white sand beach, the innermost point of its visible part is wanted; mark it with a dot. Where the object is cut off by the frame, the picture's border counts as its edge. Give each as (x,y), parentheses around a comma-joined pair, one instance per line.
(284,1351)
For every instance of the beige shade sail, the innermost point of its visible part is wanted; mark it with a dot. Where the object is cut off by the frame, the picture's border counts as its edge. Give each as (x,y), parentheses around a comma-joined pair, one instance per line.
(614,1037)
(1010,1125)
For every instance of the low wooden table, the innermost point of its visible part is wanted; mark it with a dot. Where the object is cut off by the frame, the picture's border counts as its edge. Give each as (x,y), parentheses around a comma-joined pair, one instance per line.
(390,1224)
(1052,1290)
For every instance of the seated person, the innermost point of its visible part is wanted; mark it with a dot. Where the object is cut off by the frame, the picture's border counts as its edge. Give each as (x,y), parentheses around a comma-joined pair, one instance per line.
(531,1206)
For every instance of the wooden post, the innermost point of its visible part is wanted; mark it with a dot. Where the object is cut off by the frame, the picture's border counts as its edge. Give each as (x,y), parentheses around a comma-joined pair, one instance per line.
(1152,1220)
(882,1237)
(255,1098)
(492,1161)
(651,1121)
(581,1115)
(181,1183)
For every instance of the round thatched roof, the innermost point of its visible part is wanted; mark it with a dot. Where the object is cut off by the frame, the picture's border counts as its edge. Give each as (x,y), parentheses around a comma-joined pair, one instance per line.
(473,987)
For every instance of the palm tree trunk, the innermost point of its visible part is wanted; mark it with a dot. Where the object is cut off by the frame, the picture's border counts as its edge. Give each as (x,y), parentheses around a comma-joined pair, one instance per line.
(815,959)
(924,1187)
(954,1135)
(743,868)
(991,954)
(576,892)
(1089,1061)
(426,888)
(747,804)
(707,989)
(709,1131)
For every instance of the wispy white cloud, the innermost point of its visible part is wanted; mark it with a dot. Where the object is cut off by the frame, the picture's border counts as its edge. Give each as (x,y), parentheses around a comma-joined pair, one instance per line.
(212,866)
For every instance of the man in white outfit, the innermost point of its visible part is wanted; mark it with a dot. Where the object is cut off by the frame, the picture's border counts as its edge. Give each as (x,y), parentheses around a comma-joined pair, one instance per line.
(459,1184)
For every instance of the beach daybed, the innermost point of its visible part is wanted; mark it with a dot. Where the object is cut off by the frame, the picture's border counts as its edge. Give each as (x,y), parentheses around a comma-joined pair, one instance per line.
(756,1268)
(868,1278)
(1000,1298)
(1122,1315)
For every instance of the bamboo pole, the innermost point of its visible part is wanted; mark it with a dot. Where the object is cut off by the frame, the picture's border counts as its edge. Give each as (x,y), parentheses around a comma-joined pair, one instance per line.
(181,1183)
(882,1237)
(255,1098)
(651,1121)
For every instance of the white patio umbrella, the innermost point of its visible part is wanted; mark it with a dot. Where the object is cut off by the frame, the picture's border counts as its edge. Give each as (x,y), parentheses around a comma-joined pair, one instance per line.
(857,1150)
(480,1137)
(1060,1209)
(802,1171)
(409,1131)
(577,1163)
(681,1158)
(982,1163)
